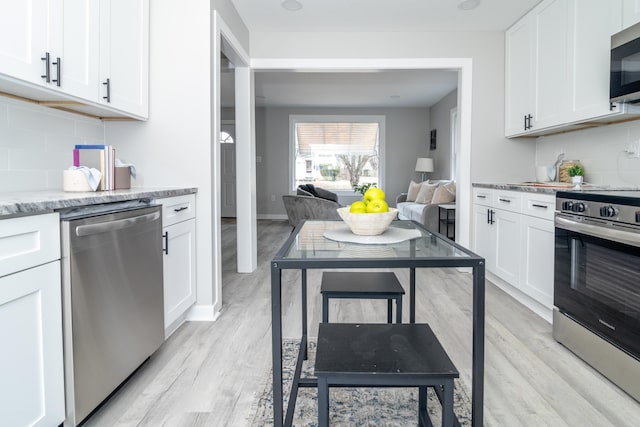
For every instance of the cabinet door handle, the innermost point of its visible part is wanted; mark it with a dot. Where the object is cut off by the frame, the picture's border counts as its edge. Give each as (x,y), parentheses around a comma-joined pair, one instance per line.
(481,196)
(47,68)
(525,123)
(58,64)
(166,242)
(505,200)
(183,208)
(107,83)
(488,216)
(540,206)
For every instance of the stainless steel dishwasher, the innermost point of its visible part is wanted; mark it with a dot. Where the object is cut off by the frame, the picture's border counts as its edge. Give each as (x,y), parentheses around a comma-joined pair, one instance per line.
(112,298)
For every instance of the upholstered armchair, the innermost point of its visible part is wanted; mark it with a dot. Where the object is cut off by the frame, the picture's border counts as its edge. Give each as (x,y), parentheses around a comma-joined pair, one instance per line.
(311,203)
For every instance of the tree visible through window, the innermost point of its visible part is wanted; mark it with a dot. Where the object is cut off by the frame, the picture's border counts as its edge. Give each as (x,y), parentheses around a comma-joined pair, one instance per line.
(336,154)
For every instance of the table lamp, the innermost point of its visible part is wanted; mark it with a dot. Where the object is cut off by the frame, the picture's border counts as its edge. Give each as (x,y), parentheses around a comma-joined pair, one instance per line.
(424,164)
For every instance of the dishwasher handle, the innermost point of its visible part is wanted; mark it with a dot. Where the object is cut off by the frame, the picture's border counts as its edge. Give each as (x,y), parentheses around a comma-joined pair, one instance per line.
(118,224)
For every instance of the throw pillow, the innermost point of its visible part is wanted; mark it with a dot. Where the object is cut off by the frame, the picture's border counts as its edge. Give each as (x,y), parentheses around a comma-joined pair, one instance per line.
(451,186)
(442,195)
(426,193)
(414,188)
(326,194)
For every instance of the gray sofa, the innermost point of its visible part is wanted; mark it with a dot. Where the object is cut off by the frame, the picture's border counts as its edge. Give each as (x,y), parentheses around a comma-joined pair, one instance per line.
(425,213)
(310,203)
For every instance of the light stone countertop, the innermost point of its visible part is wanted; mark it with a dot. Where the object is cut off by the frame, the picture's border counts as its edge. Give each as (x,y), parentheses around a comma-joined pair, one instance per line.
(547,188)
(31,202)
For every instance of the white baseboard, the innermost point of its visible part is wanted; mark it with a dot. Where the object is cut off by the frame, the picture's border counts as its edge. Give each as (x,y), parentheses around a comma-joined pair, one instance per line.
(202,313)
(271,216)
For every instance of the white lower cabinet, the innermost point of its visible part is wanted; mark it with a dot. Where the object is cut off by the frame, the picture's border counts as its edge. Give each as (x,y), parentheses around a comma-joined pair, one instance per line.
(514,232)
(537,247)
(31,363)
(507,247)
(179,231)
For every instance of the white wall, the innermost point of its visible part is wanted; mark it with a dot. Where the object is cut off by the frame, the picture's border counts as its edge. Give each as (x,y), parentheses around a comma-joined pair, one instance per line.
(494,158)
(36,144)
(440,118)
(407,137)
(173,148)
(600,150)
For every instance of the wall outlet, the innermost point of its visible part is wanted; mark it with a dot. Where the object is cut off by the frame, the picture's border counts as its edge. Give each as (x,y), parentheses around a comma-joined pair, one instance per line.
(273,197)
(633,149)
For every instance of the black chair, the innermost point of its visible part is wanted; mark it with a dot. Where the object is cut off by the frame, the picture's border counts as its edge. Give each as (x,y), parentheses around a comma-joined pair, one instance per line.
(362,285)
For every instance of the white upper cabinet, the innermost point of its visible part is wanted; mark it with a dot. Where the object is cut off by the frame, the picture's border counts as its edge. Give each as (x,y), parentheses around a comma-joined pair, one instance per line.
(569,81)
(80,55)
(519,76)
(630,12)
(29,30)
(67,50)
(552,63)
(124,55)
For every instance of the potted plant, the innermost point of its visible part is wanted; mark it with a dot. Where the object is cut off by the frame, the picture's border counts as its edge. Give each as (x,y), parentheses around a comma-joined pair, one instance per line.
(576,172)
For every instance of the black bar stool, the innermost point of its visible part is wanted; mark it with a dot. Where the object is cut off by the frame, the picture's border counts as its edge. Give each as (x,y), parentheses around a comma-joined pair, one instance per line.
(363,285)
(399,355)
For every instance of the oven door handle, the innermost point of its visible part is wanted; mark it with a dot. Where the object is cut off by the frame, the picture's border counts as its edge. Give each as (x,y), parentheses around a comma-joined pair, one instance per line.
(612,234)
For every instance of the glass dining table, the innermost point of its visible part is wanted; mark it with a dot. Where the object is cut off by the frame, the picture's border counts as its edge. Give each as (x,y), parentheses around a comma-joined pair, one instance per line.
(314,245)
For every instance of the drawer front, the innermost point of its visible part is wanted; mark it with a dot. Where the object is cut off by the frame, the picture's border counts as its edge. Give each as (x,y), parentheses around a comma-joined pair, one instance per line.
(507,200)
(28,241)
(539,205)
(483,196)
(178,209)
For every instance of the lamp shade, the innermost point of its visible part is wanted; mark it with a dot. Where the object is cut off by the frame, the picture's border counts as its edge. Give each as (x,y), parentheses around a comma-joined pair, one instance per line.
(424,164)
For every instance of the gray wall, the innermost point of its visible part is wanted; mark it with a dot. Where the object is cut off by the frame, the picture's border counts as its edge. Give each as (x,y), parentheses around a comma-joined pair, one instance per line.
(440,118)
(407,136)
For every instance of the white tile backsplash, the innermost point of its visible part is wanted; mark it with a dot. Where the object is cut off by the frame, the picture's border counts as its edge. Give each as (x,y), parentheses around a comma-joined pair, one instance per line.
(36,144)
(601,150)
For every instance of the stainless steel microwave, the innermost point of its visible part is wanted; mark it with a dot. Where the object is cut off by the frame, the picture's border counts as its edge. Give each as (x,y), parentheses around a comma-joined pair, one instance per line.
(625,65)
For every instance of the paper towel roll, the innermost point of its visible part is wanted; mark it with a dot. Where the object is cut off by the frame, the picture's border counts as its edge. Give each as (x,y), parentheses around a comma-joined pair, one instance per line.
(75,180)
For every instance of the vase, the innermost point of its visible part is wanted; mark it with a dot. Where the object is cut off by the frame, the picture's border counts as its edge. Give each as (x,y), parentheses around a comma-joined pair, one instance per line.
(577,180)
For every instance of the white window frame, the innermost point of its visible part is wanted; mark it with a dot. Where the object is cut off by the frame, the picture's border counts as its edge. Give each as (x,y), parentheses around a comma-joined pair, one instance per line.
(346,118)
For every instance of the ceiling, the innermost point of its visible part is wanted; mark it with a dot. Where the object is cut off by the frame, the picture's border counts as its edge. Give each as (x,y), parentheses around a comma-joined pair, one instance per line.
(381,15)
(393,88)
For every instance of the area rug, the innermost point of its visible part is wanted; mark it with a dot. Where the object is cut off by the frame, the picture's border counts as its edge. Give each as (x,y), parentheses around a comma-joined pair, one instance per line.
(351,406)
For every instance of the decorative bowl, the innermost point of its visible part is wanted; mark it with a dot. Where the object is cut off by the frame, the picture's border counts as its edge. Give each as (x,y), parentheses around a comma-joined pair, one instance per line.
(368,224)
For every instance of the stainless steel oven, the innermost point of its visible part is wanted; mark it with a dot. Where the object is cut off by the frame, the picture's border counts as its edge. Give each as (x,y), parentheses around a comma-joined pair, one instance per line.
(597,280)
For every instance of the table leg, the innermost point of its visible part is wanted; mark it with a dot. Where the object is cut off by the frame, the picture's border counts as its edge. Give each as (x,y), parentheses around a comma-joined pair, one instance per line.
(304,311)
(412,295)
(477,377)
(276,342)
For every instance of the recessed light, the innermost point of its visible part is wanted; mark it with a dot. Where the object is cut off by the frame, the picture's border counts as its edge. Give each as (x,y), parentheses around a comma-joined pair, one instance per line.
(468,4)
(394,96)
(292,5)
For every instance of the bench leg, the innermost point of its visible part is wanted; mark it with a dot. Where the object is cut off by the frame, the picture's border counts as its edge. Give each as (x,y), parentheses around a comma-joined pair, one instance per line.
(323,403)
(399,309)
(389,311)
(325,309)
(447,404)
(422,405)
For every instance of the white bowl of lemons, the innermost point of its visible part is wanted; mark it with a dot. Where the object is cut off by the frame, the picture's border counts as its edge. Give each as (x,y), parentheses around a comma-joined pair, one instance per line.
(371,216)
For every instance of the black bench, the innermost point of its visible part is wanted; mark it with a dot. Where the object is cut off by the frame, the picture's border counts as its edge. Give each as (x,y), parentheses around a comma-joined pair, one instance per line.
(364,285)
(400,355)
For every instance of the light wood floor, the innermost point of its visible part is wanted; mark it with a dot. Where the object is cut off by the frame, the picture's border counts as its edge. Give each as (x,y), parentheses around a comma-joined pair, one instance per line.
(206,373)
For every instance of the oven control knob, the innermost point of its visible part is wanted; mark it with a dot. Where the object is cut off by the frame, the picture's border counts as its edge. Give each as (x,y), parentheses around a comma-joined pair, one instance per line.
(608,211)
(579,207)
(567,206)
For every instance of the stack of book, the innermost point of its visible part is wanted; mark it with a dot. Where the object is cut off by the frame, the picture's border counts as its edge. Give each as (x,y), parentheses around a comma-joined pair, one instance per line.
(100,157)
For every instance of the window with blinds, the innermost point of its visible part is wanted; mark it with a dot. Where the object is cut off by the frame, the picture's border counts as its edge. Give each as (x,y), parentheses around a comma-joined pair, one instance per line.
(336,153)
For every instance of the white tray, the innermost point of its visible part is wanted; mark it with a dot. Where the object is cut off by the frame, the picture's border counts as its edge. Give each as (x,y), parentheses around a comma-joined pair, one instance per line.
(392,235)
